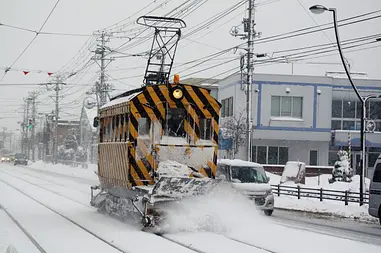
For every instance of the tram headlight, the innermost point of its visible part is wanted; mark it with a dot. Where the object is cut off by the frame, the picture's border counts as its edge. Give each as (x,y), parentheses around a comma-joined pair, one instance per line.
(177,93)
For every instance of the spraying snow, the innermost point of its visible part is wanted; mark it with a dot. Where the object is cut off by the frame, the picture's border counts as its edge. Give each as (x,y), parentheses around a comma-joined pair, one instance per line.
(222,211)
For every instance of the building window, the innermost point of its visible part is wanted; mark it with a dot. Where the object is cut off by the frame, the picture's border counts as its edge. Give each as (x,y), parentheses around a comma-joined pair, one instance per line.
(270,154)
(313,157)
(284,106)
(346,114)
(227,107)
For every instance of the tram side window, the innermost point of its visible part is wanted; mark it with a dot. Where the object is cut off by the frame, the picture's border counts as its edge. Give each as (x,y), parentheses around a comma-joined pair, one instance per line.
(175,122)
(144,125)
(107,129)
(121,128)
(125,127)
(101,130)
(117,122)
(205,129)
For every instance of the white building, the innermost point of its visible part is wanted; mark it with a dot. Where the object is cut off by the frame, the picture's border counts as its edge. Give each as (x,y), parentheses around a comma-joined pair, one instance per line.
(305,118)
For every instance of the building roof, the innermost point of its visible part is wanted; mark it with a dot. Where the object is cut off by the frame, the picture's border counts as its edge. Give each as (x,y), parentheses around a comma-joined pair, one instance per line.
(204,82)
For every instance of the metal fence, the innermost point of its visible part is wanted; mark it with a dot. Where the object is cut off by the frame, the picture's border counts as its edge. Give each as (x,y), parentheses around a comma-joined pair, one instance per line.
(321,194)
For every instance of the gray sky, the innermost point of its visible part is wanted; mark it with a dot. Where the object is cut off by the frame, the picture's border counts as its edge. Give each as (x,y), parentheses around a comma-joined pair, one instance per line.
(51,53)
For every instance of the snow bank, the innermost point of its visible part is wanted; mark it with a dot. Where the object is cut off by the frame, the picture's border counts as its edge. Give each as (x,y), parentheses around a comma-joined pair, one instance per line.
(326,207)
(62,169)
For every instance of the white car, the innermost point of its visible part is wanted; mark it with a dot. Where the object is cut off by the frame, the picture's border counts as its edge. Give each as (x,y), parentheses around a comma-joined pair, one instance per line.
(251,179)
(375,191)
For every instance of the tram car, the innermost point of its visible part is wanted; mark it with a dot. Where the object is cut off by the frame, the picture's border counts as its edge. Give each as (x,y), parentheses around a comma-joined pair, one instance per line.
(158,144)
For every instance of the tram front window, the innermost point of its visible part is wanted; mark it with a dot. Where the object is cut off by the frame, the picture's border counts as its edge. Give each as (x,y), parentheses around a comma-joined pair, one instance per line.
(175,122)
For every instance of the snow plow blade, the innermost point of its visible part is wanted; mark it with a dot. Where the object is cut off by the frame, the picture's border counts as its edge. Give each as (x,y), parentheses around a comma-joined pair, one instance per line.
(182,187)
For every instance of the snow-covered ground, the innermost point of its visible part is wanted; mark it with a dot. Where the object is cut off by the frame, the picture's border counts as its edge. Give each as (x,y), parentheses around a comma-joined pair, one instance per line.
(218,223)
(337,208)
(79,172)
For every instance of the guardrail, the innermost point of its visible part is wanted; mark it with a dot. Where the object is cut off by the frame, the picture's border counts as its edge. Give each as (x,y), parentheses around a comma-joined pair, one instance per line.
(319,193)
(73,163)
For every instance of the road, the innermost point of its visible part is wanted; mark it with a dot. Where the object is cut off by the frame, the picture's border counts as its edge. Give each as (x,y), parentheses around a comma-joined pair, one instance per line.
(347,229)
(65,198)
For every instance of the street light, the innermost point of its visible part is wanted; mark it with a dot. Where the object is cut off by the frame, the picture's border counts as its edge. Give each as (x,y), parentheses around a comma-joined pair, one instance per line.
(319,9)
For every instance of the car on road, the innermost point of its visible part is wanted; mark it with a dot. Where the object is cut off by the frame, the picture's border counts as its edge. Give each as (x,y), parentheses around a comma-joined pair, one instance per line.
(375,191)
(249,178)
(5,159)
(21,159)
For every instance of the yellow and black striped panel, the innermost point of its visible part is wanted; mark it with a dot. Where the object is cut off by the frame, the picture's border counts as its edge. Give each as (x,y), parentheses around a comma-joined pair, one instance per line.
(113,164)
(151,103)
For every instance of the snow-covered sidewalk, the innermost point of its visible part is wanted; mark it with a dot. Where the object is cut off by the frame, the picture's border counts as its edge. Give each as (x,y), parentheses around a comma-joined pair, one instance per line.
(326,207)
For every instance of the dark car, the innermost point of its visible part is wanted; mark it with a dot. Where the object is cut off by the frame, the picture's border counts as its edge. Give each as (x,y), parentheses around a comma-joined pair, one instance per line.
(21,159)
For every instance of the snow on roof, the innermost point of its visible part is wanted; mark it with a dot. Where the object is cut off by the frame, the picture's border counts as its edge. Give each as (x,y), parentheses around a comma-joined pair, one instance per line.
(120,100)
(238,162)
(209,84)
(343,75)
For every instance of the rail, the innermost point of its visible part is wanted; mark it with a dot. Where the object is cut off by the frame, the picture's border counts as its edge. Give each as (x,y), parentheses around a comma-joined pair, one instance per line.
(319,193)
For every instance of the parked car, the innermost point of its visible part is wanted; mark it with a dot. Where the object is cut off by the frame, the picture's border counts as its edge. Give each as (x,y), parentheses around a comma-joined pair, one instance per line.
(251,179)
(375,191)
(20,159)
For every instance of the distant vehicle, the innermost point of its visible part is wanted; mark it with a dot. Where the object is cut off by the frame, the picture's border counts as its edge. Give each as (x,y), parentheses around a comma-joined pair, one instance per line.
(5,159)
(20,159)
(375,191)
(251,179)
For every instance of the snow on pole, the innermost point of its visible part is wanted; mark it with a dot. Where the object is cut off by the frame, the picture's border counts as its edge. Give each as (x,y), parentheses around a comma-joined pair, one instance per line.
(349,149)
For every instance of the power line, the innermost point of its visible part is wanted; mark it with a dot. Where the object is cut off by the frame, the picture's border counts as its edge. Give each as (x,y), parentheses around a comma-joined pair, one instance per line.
(44,33)
(301,32)
(309,14)
(35,36)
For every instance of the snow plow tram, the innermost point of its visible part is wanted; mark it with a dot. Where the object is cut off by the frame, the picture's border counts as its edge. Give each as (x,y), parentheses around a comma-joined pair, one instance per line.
(157,144)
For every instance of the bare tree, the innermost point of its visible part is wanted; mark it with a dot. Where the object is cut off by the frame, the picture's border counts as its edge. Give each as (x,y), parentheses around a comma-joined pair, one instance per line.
(235,128)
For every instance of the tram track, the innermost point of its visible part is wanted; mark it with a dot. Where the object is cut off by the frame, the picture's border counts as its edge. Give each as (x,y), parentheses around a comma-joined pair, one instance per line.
(164,236)
(46,189)
(26,233)
(51,174)
(65,217)
(194,248)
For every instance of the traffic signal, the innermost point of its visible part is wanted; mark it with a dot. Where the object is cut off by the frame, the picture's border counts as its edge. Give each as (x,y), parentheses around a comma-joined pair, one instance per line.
(30,124)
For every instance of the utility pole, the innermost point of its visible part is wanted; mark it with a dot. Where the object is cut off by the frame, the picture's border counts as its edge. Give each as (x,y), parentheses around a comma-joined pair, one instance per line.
(250,70)
(23,129)
(56,98)
(55,143)
(27,142)
(33,135)
(102,79)
(249,35)
(102,88)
